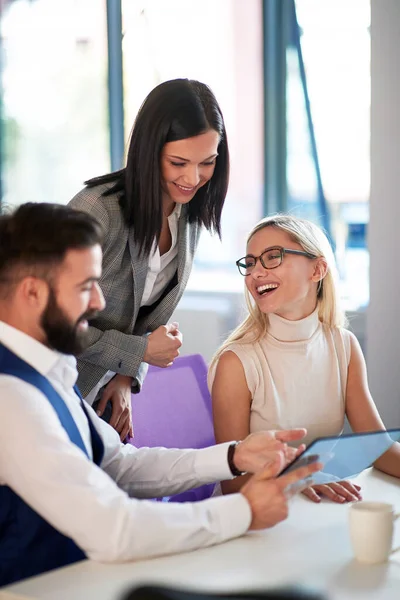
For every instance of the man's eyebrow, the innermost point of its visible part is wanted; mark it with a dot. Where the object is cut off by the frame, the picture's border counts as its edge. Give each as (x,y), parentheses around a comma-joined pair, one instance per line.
(187,160)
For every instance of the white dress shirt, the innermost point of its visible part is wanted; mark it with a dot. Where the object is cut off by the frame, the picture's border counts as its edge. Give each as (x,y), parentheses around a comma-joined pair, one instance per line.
(160,271)
(98,507)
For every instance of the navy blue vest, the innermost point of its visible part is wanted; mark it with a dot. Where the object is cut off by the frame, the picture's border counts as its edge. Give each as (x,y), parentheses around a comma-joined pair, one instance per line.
(28,544)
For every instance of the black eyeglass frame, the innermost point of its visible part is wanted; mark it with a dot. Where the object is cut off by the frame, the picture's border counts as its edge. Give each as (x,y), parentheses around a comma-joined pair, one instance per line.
(282,252)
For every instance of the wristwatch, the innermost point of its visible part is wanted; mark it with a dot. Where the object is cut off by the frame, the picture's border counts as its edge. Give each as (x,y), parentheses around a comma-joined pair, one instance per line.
(231,455)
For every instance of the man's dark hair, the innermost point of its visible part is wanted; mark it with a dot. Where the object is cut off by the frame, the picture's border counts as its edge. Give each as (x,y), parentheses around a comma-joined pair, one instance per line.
(36,237)
(174,110)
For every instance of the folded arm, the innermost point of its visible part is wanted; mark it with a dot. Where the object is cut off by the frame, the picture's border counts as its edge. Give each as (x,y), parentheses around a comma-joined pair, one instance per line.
(115,351)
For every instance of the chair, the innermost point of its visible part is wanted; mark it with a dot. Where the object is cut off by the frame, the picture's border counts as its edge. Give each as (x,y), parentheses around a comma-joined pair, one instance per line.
(173,410)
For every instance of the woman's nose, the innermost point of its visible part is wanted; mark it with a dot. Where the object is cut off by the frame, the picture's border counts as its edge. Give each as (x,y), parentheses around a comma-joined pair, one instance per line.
(259,270)
(192,176)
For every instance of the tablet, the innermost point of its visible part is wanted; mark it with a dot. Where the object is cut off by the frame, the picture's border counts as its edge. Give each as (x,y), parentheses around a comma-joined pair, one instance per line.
(346,455)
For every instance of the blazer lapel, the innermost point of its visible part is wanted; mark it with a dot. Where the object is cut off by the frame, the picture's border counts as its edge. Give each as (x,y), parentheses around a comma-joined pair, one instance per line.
(182,244)
(139,269)
(164,309)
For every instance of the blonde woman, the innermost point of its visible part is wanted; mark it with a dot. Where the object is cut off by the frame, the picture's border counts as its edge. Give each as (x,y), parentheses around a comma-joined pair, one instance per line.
(292,363)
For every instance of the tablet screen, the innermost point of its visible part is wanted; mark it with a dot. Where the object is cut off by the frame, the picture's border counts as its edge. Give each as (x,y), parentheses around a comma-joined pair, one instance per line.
(346,455)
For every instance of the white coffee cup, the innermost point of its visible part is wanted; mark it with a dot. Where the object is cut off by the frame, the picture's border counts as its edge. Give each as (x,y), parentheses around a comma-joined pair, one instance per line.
(371,531)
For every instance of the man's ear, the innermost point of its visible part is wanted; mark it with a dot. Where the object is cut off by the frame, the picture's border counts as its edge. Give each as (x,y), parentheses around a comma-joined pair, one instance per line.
(320,269)
(34,292)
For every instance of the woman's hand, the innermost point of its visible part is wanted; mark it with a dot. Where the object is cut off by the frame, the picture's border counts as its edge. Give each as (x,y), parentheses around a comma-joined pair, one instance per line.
(118,391)
(342,491)
(163,345)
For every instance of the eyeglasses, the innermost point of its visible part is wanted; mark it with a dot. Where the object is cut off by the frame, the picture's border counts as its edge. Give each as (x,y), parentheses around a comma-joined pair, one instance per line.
(270,259)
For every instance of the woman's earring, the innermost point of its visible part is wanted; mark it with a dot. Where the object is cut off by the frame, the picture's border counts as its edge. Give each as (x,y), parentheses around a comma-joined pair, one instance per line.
(319,288)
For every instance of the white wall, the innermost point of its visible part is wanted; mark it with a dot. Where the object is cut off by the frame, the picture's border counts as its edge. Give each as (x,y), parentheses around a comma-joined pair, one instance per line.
(383,324)
(206,319)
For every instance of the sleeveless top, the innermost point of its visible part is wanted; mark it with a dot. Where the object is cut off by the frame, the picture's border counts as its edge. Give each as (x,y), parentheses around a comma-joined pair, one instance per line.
(29,545)
(296,375)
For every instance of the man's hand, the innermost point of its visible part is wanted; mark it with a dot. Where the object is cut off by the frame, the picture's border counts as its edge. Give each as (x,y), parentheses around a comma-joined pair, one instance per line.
(258,449)
(118,391)
(163,345)
(268,497)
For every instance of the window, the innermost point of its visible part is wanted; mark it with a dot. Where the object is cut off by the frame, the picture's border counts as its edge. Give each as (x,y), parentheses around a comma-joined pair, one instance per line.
(218,43)
(335,48)
(53,110)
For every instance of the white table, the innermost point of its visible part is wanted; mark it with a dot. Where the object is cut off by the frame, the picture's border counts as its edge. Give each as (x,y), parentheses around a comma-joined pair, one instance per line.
(311,547)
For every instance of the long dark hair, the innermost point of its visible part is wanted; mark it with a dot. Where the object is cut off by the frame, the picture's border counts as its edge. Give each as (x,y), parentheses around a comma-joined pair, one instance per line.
(174,110)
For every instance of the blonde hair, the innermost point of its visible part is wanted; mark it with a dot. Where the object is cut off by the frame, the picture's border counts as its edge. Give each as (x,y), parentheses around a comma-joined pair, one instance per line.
(312,239)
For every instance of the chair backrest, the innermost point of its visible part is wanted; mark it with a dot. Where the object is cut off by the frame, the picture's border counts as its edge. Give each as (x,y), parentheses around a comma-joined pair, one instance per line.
(173,410)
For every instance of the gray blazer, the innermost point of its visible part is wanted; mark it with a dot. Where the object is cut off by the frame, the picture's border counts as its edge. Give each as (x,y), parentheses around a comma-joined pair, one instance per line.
(117,337)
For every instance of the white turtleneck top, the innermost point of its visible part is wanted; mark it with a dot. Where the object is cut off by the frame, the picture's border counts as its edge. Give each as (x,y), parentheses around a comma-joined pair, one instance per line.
(297,376)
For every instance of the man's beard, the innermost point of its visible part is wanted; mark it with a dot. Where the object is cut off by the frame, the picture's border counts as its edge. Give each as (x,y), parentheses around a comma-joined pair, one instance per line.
(61,334)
